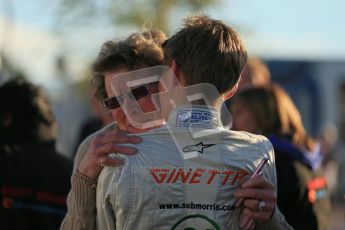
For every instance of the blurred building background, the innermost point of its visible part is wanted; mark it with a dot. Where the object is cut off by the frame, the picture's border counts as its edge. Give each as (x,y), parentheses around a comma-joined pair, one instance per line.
(53,43)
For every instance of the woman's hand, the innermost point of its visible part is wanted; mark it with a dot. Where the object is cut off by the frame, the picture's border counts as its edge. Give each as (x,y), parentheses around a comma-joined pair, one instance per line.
(259,200)
(101,146)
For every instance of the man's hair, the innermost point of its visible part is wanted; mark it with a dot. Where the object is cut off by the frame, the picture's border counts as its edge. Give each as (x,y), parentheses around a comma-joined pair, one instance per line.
(207,51)
(25,113)
(137,51)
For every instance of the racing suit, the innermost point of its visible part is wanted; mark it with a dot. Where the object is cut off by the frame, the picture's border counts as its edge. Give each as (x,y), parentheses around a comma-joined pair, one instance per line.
(183,177)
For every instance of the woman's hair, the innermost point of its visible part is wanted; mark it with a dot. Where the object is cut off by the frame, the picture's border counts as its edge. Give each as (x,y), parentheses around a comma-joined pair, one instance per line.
(139,50)
(25,113)
(275,113)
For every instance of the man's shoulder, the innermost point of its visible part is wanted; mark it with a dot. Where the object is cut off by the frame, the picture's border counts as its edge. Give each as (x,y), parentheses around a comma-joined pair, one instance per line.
(242,136)
(228,135)
(247,141)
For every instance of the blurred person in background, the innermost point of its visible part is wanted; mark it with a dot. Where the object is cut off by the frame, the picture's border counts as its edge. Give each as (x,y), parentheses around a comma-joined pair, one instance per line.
(303,196)
(34,178)
(254,74)
(257,74)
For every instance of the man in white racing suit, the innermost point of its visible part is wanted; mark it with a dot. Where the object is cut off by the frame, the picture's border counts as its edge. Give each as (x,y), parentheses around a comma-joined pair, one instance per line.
(186,173)
(159,189)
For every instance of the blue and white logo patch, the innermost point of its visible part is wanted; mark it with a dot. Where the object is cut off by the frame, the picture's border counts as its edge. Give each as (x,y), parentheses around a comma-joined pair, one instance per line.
(196,118)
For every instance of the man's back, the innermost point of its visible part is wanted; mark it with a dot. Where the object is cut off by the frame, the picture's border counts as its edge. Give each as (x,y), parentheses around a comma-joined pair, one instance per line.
(159,189)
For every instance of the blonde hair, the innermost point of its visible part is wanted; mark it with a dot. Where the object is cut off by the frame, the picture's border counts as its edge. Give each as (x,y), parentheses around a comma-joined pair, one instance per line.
(275,113)
(139,50)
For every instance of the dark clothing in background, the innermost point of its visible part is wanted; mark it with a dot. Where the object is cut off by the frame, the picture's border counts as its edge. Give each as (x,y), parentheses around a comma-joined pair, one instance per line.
(303,197)
(88,127)
(34,182)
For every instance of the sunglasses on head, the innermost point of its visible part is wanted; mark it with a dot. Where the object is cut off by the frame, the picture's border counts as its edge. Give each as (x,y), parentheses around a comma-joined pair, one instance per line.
(138,93)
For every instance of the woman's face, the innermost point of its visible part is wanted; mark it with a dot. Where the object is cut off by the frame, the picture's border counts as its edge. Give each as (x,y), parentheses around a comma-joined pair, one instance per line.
(243,118)
(145,103)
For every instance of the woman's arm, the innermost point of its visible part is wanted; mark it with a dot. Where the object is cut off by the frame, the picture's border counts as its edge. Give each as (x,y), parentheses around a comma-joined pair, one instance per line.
(91,156)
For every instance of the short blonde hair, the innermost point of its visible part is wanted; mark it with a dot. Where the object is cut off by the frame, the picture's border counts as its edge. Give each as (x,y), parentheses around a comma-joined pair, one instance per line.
(275,113)
(139,50)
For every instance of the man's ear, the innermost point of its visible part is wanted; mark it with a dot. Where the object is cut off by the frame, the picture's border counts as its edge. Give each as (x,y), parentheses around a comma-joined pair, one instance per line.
(177,72)
(231,92)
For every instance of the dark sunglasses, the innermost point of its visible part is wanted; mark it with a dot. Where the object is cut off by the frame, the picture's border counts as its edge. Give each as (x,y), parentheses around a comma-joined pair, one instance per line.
(138,93)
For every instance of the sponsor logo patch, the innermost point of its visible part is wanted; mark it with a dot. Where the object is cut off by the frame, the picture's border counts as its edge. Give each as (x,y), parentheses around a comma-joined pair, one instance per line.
(196,118)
